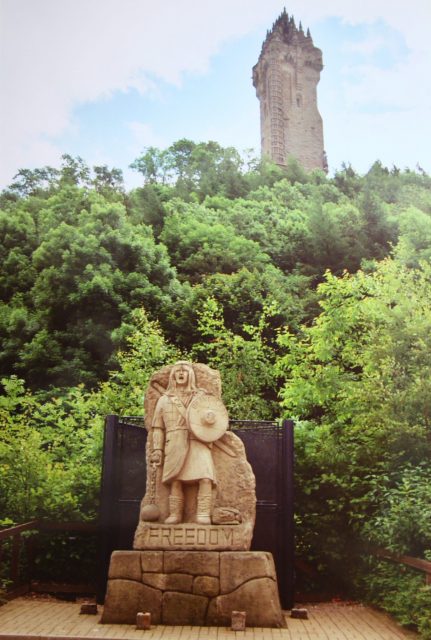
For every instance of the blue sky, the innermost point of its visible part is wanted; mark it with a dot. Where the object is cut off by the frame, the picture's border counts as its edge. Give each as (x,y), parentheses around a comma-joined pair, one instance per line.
(103,79)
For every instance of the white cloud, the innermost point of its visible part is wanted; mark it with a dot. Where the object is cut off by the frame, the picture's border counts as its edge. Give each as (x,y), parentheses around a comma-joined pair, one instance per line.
(366,47)
(412,19)
(404,86)
(143,135)
(59,54)
(29,152)
(383,136)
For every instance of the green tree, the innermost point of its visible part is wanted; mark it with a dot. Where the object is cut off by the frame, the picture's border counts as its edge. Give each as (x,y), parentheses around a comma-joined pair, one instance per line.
(152,165)
(74,171)
(51,441)
(358,382)
(147,206)
(202,246)
(414,243)
(245,362)
(84,268)
(203,168)
(107,181)
(28,182)
(348,181)
(243,296)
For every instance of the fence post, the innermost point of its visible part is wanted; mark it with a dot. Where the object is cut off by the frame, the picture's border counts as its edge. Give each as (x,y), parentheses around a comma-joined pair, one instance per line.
(16,546)
(288,593)
(107,494)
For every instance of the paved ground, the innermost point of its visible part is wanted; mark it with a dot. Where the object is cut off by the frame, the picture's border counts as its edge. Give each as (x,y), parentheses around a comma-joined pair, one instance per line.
(26,618)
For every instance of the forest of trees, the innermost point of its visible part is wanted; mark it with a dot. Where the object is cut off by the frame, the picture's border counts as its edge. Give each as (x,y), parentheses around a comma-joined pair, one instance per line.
(310,294)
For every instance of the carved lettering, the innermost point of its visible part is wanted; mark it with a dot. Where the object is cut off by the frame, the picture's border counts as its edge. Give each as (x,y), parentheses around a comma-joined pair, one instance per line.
(228,535)
(201,536)
(153,534)
(178,536)
(213,537)
(166,535)
(190,536)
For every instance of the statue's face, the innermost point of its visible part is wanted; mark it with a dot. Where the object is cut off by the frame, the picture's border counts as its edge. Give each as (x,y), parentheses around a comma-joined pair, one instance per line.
(181,376)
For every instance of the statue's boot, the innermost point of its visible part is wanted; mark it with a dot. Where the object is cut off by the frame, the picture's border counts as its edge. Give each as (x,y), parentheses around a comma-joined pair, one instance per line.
(204,502)
(176,504)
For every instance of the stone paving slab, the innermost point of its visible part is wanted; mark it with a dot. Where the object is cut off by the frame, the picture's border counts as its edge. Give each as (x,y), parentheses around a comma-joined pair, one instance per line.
(35,619)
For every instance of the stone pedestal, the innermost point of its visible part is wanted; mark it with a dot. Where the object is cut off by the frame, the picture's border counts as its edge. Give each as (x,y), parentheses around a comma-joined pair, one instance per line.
(193,588)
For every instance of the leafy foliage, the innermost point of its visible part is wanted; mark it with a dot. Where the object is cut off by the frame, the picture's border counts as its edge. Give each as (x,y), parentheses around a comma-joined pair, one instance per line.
(358,381)
(401,592)
(310,294)
(50,442)
(74,271)
(246,363)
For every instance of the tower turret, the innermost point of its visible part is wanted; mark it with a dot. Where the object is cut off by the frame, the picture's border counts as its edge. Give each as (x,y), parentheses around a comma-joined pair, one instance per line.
(286,77)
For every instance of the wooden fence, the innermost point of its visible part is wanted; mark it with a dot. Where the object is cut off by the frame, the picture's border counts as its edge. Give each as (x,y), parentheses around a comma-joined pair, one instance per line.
(21,554)
(22,538)
(408,561)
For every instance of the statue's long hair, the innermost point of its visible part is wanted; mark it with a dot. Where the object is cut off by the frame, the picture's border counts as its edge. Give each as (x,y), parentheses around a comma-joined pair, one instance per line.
(191,381)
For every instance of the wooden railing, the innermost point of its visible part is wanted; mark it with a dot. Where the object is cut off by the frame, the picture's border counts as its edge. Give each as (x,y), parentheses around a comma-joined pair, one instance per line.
(18,584)
(304,567)
(408,561)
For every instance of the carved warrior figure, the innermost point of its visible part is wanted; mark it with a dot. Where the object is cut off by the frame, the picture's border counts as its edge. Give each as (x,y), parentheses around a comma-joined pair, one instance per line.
(200,497)
(186,422)
(200,489)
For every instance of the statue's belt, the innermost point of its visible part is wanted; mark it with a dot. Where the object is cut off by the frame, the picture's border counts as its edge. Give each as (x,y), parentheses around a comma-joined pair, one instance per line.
(185,428)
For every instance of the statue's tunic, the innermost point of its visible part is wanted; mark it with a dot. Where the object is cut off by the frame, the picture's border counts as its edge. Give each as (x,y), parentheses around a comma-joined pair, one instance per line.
(185,458)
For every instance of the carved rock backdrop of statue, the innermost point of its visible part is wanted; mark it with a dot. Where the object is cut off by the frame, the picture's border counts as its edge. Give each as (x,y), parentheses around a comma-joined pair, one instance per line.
(200,487)
(190,564)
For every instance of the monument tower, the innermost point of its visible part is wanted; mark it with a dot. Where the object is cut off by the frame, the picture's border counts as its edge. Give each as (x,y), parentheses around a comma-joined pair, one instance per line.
(285,78)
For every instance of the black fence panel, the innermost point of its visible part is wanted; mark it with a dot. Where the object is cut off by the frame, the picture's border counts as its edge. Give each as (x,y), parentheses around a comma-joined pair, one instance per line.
(269,449)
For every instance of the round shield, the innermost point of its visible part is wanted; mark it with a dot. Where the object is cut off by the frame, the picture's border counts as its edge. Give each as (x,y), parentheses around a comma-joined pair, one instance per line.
(207,418)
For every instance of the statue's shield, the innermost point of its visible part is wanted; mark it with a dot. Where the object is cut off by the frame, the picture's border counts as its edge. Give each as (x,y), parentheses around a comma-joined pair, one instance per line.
(207,418)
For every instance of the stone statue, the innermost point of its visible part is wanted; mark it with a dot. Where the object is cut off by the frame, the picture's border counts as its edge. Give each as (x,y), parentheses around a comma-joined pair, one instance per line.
(182,416)
(190,563)
(197,471)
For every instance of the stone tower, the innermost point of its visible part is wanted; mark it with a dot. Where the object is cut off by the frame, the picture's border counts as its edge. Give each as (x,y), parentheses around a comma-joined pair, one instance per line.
(285,78)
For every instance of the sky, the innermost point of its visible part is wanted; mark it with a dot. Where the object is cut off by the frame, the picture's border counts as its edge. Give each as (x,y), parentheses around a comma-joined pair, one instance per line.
(104,79)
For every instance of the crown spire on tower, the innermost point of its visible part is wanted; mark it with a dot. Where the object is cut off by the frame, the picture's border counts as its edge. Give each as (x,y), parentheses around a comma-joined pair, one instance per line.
(284,28)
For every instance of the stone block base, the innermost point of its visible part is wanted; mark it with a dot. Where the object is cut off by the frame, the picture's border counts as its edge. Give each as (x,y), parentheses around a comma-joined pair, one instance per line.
(193,588)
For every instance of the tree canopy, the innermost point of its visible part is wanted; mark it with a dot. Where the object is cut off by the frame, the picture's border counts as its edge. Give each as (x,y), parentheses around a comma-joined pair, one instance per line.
(310,294)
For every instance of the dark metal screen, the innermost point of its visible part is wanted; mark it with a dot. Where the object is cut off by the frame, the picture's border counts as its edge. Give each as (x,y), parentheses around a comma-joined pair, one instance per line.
(269,449)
